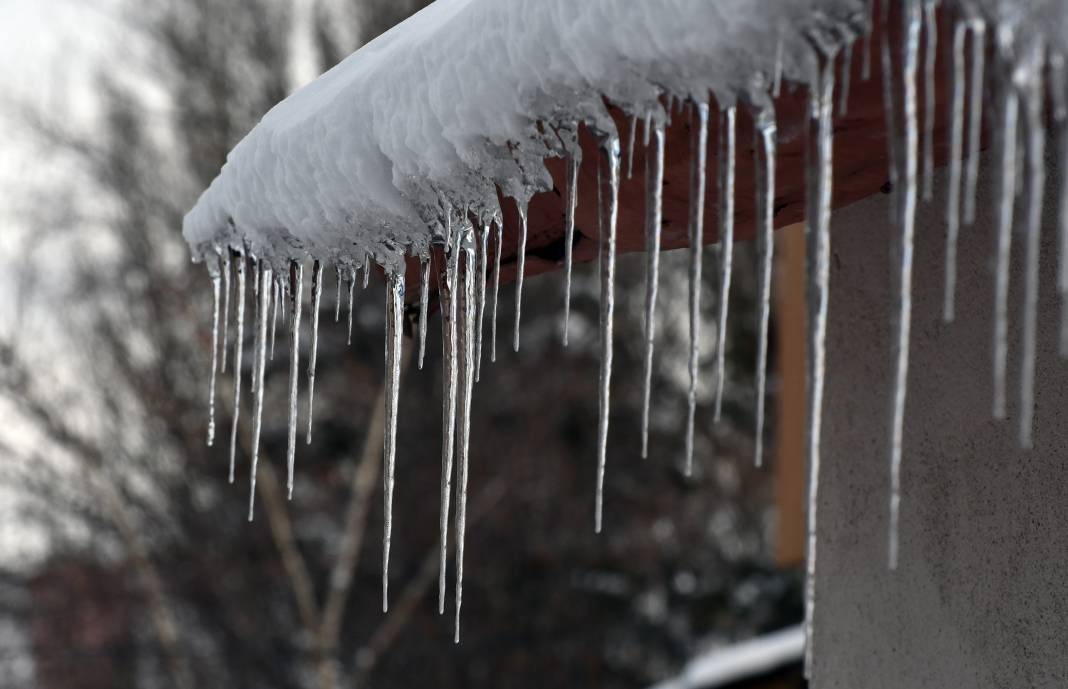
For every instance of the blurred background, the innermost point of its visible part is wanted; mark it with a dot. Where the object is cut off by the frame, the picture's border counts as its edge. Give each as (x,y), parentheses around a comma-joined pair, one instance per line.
(125,556)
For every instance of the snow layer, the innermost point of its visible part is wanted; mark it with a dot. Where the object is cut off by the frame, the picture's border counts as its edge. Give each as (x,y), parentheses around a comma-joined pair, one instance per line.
(447,104)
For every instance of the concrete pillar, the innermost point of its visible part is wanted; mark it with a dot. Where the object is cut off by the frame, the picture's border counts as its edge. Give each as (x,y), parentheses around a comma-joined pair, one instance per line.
(980,598)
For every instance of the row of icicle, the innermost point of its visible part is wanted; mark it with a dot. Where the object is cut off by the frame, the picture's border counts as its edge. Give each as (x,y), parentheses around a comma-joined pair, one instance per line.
(462,284)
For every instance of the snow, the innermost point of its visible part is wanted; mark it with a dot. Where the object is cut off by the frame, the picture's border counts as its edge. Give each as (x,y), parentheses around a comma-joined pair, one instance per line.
(729,664)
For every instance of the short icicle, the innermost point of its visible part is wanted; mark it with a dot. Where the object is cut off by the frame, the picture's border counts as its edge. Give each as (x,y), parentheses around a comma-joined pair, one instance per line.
(240,266)
(276,296)
(216,287)
(975,116)
(480,293)
(569,233)
(818,176)
(317,293)
(698,158)
(466,322)
(366,269)
(726,162)
(654,187)
(394,331)
(521,259)
(296,286)
(902,323)
(496,290)
(608,192)
(352,299)
(764,151)
(447,299)
(424,299)
(261,363)
(631,138)
(956,152)
(337,297)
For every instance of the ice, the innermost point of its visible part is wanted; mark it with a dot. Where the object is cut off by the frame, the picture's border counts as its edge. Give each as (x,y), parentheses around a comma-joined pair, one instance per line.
(654,188)
(726,160)
(352,299)
(317,293)
(975,116)
(482,250)
(276,297)
(263,315)
(238,342)
(296,286)
(447,299)
(608,211)
(573,161)
(216,281)
(226,259)
(466,315)
(394,333)
(496,291)
(764,149)
(424,298)
(521,256)
(1057,87)
(337,297)
(698,156)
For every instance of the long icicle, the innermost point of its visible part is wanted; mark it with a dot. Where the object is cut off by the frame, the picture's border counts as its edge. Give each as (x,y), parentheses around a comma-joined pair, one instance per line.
(726,161)
(296,286)
(521,260)
(698,158)
(975,116)
(956,152)
(466,318)
(496,290)
(608,191)
(930,38)
(654,192)
(569,232)
(818,176)
(317,293)
(480,293)
(424,298)
(261,364)
(1034,110)
(216,287)
(903,319)
(226,260)
(447,299)
(764,164)
(352,299)
(239,264)
(1007,140)
(394,330)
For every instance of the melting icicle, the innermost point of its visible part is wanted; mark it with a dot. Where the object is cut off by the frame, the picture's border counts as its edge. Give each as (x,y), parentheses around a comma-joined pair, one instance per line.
(608,191)
(726,160)
(215,289)
(956,151)
(569,233)
(276,296)
(698,156)
(1009,106)
(394,329)
(317,293)
(296,286)
(1034,106)
(226,261)
(654,186)
(975,117)
(465,297)
(352,299)
(521,258)
(903,319)
(630,144)
(496,291)
(447,299)
(239,263)
(263,315)
(424,298)
(930,32)
(480,294)
(764,165)
(818,176)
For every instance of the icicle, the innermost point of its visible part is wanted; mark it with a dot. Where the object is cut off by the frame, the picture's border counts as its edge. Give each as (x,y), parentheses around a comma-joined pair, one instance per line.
(930,31)
(889,110)
(239,263)
(903,319)
(261,363)
(296,286)
(726,161)
(394,330)
(276,296)
(424,299)
(630,144)
(847,72)
(654,187)
(764,165)
(447,299)
(317,293)
(465,297)
(776,77)
(226,261)
(284,294)
(215,289)
(1007,138)
(255,320)
(352,299)
(956,151)
(1060,117)
(608,191)
(366,269)
(337,297)
(569,232)
(496,291)
(698,157)
(480,293)
(975,117)
(521,259)
(1034,110)
(818,176)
